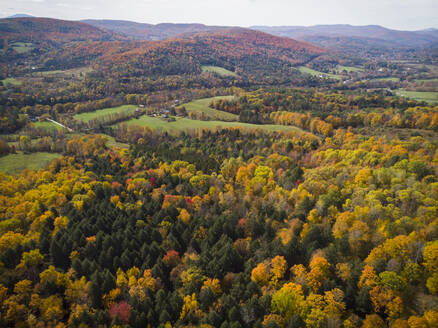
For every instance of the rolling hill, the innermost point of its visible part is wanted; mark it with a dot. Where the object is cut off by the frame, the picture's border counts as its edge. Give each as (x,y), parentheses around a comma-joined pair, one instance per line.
(44,44)
(54,30)
(235,49)
(142,31)
(372,39)
(401,38)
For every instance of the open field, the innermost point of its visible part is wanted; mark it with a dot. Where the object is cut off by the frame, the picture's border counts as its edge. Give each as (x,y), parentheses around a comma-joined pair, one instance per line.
(11,81)
(69,72)
(48,126)
(307,70)
(113,143)
(348,69)
(432,80)
(393,79)
(22,47)
(201,106)
(88,116)
(185,124)
(15,163)
(431,97)
(218,70)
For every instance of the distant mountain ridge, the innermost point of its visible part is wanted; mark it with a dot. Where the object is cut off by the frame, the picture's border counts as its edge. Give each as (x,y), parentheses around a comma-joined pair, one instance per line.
(20,16)
(322,34)
(33,29)
(143,31)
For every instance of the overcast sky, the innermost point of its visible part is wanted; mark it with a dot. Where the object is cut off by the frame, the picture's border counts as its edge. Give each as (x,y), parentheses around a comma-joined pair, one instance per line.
(397,14)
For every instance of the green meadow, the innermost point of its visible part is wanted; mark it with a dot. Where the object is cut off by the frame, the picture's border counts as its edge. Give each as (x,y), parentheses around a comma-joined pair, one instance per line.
(11,81)
(22,47)
(88,116)
(307,70)
(185,124)
(348,69)
(218,70)
(430,97)
(201,106)
(48,126)
(15,163)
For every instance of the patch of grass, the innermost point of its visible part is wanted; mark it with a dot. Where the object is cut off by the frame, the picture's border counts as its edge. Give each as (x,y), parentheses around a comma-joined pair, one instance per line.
(66,73)
(185,124)
(15,163)
(393,79)
(48,126)
(348,69)
(113,143)
(11,81)
(201,106)
(48,73)
(86,117)
(432,80)
(307,70)
(218,70)
(22,47)
(430,97)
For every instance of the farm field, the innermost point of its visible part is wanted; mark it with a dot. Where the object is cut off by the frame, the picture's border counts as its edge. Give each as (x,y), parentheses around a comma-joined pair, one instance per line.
(432,80)
(88,116)
(218,70)
(201,106)
(307,70)
(48,126)
(22,47)
(15,163)
(348,69)
(431,97)
(113,143)
(393,79)
(185,124)
(11,81)
(68,72)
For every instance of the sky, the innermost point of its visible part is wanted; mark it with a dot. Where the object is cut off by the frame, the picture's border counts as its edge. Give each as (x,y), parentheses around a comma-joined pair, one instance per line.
(396,14)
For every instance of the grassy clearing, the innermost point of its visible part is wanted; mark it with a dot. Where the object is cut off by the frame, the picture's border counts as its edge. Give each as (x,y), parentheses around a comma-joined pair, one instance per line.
(11,81)
(15,163)
(67,73)
(431,97)
(307,70)
(86,117)
(348,69)
(113,143)
(185,124)
(48,126)
(431,68)
(22,47)
(49,73)
(432,80)
(393,79)
(201,106)
(218,70)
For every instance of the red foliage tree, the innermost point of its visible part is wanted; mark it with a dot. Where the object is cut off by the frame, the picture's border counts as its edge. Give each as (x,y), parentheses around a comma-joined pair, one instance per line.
(121,311)
(171,258)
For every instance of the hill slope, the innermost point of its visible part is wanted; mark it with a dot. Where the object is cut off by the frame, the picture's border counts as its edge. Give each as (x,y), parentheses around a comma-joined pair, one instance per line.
(142,31)
(236,49)
(372,39)
(54,30)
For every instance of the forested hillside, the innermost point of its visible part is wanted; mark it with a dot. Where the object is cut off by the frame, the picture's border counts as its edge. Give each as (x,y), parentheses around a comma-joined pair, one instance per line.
(224,229)
(227,178)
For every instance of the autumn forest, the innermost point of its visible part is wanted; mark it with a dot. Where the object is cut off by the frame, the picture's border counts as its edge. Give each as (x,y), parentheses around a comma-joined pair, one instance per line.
(213,179)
